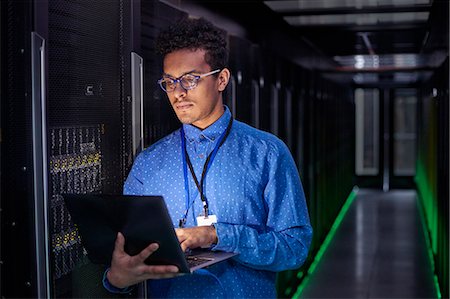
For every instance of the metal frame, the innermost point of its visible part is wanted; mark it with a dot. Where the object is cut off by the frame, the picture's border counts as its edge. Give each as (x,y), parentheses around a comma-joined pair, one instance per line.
(137,102)
(40,163)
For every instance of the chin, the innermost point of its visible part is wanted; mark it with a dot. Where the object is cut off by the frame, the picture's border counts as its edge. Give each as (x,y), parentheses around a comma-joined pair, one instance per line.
(185,120)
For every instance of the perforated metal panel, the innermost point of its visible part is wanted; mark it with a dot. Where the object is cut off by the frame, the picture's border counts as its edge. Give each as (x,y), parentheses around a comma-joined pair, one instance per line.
(159,116)
(86,135)
(75,167)
(16,140)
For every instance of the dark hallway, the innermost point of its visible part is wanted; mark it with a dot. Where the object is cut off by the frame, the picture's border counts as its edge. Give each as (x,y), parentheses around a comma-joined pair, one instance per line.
(379,251)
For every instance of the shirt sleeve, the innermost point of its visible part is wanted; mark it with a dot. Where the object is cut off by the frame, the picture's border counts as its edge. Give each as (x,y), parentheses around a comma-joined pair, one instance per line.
(285,242)
(134,184)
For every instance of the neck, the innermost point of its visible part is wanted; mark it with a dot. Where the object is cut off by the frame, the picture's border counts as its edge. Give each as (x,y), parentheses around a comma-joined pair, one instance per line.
(203,124)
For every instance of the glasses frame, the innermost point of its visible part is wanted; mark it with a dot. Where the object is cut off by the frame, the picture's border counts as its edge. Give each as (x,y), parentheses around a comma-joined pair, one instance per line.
(178,80)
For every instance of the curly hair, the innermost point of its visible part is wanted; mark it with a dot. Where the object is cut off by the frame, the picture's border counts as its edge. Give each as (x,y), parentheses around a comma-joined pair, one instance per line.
(195,34)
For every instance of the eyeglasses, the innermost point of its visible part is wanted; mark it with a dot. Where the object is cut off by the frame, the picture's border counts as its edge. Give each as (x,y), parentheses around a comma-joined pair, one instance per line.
(187,81)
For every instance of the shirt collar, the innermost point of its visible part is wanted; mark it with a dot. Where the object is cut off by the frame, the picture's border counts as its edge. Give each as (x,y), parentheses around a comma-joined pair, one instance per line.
(212,132)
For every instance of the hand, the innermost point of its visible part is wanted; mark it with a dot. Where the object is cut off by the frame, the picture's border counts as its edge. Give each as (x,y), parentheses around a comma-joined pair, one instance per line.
(128,270)
(194,237)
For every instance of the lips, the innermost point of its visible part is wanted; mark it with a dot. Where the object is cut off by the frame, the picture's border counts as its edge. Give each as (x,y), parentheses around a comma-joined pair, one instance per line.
(183,106)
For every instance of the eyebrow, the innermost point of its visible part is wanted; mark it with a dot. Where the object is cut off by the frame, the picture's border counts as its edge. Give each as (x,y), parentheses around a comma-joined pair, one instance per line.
(188,72)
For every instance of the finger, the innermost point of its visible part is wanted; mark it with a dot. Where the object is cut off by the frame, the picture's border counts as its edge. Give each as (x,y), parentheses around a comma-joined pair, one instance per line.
(161,269)
(158,272)
(119,244)
(187,244)
(146,252)
(161,276)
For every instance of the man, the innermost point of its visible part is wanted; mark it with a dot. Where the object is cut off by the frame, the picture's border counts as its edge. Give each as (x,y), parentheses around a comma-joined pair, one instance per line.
(243,179)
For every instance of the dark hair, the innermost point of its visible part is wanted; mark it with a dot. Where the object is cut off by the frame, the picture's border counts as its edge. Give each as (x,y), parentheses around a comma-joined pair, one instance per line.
(195,34)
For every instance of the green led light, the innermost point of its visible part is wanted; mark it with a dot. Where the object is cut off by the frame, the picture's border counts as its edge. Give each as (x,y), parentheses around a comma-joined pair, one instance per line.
(427,194)
(429,250)
(327,241)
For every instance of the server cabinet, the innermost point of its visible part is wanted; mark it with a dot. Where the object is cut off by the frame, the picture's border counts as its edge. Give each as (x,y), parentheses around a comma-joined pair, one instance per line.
(160,119)
(262,59)
(285,102)
(67,120)
(257,85)
(18,253)
(432,174)
(240,60)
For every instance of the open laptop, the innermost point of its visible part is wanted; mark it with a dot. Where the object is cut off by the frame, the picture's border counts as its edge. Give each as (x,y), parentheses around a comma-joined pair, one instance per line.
(142,220)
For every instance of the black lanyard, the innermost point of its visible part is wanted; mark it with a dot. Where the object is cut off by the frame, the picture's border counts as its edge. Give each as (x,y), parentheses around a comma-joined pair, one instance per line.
(206,166)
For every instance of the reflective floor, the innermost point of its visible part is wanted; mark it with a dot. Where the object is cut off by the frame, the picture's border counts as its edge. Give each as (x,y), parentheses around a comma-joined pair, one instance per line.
(379,251)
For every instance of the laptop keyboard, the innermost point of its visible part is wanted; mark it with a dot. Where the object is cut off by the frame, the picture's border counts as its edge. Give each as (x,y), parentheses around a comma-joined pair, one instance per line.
(193,261)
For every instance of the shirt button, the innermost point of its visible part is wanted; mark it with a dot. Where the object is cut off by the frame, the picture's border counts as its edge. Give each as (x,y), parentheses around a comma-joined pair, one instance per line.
(202,137)
(201,156)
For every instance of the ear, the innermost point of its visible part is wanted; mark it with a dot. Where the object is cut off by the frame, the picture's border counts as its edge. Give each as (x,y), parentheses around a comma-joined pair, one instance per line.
(223,79)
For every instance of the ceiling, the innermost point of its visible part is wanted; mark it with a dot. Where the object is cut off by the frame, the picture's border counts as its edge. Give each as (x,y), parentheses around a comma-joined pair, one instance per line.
(363,42)
(372,41)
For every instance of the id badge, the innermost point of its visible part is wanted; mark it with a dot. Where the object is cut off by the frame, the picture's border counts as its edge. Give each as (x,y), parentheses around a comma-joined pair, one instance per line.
(206,221)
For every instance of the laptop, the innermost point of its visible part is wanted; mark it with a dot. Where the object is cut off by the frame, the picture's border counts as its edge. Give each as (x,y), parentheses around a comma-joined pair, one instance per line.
(142,220)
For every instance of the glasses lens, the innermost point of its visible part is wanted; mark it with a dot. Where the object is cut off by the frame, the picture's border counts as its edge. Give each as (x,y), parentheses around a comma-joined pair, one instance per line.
(189,81)
(168,84)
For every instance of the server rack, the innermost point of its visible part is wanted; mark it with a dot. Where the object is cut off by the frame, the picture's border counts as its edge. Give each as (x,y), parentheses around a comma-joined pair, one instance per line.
(257,85)
(299,123)
(288,103)
(67,121)
(160,119)
(432,173)
(17,196)
(240,60)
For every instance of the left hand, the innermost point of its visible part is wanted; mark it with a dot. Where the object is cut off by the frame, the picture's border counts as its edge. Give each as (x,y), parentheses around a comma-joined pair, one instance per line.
(194,237)
(129,270)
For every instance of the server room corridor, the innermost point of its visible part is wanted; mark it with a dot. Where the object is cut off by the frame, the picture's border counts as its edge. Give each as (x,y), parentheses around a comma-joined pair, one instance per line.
(378,251)
(356,91)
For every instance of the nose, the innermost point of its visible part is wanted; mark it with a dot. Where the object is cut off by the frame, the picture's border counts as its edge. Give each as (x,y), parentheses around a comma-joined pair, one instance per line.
(179,91)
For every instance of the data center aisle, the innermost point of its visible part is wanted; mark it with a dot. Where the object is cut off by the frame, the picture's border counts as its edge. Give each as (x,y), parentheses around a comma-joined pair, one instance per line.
(379,251)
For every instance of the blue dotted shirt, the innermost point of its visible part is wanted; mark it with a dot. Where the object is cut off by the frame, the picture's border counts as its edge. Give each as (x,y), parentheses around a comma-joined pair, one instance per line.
(252,186)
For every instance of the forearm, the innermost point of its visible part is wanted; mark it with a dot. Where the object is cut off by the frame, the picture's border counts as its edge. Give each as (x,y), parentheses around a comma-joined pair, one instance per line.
(273,251)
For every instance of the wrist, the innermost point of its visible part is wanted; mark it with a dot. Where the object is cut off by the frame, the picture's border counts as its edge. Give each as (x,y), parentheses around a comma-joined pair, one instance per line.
(111,285)
(113,280)
(215,239)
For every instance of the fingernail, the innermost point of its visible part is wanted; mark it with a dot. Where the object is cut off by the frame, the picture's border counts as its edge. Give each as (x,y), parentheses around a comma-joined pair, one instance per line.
(155,246)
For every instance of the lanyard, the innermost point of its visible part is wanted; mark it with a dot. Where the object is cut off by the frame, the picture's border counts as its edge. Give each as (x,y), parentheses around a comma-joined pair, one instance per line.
(206,166)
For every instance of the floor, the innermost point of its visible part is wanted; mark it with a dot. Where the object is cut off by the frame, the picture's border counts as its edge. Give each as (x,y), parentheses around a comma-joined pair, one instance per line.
(379,251)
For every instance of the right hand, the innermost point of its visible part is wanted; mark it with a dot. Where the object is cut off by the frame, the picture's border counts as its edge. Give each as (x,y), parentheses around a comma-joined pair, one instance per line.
(129,270)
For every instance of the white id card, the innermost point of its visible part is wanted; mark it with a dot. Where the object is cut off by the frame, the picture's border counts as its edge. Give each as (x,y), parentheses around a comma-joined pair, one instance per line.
(206,221)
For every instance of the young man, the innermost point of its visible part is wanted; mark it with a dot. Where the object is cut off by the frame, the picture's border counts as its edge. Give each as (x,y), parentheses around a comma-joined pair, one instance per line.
(244,179)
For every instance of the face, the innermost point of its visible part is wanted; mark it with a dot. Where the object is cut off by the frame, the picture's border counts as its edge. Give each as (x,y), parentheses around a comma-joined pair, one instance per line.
(202,105)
